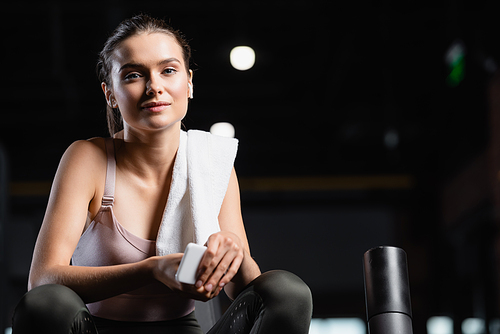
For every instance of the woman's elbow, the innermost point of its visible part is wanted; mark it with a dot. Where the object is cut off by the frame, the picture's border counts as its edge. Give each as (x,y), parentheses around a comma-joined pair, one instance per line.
(33,280)
(38,277)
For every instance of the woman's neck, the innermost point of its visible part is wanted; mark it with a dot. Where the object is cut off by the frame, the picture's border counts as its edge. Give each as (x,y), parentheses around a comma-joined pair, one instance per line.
(150,156)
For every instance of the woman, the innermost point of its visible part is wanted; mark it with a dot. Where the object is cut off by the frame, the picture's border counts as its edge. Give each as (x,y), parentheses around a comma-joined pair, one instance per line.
(107,208)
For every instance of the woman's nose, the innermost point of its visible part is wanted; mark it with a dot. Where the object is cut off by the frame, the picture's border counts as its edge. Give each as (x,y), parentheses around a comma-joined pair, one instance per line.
(153,88)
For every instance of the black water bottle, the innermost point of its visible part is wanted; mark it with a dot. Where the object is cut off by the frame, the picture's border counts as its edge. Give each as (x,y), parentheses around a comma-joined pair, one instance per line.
(387,291)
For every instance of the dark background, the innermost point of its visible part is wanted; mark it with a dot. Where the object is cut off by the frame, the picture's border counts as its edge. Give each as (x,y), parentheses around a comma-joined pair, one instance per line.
(320,185)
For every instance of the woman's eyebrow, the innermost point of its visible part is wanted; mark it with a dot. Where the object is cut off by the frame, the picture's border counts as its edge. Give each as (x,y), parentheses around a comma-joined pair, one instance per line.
(139,65)
(169,60)
(130,65)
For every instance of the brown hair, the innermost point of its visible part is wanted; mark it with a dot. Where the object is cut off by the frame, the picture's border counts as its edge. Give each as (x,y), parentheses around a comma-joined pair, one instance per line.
(138,24)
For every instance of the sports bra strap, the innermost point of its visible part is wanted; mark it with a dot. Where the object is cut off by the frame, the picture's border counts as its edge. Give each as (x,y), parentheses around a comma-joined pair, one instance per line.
(109,188)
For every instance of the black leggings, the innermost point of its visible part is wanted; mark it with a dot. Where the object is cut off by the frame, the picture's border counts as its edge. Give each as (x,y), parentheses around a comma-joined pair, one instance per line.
(275,302)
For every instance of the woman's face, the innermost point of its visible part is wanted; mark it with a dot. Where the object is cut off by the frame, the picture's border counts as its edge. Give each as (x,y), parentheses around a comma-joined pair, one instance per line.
(150,84)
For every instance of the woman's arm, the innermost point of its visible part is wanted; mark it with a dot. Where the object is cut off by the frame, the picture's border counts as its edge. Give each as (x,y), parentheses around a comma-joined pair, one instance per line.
(77,181)
(227,262)
(77,188)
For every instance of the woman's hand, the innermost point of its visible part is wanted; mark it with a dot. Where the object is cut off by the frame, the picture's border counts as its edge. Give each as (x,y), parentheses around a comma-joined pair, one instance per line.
(164,270)
(227,262)
(220,263)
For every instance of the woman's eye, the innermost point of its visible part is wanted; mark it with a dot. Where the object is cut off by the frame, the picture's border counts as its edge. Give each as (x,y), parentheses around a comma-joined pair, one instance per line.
(170,71)
(131,76)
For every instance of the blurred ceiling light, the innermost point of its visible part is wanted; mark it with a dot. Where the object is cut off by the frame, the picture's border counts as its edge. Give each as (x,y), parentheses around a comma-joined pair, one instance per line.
(495,326)
(391,139)
(440,325)
(337,325)
(473,326)
(490,65)
(222,129)
(242,58)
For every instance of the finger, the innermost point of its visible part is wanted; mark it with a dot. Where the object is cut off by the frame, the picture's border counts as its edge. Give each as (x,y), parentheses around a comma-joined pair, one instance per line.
(231,271)
(216,292)
(221,270)
(217,247)
(220,254)
(208,263)
(190,291)
(225,271)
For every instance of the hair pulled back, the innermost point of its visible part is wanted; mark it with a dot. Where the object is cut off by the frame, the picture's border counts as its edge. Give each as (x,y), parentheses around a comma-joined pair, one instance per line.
(130,27)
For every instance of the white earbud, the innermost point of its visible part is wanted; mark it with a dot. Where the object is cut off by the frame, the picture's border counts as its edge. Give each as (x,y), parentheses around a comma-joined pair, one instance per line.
(190,86)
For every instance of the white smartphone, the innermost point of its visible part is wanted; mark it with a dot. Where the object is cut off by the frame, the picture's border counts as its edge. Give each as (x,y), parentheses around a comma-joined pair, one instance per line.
(189,263)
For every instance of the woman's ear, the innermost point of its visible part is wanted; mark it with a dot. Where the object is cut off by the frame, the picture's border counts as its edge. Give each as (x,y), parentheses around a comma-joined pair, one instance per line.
(190,85)
(108,93)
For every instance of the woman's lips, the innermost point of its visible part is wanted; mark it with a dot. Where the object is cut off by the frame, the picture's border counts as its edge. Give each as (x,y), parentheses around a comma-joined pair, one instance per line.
(155,106)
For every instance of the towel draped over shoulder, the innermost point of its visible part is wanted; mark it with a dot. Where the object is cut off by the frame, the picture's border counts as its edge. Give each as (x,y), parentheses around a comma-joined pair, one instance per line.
(202,168)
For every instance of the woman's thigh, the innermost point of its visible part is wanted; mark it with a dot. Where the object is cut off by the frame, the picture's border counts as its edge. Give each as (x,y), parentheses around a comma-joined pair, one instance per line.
(184,325)
(275,302)
(53,309)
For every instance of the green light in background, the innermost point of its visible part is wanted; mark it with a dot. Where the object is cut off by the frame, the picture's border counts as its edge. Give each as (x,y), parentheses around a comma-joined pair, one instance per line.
(457,72)
(455,61)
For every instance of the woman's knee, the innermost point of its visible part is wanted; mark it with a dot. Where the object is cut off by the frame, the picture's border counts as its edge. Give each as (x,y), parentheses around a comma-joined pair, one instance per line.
(287,301)
(51,308)
(279,287)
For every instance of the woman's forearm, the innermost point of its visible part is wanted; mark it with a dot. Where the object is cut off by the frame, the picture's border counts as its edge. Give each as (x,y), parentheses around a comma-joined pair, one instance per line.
(97,283)
(249,270)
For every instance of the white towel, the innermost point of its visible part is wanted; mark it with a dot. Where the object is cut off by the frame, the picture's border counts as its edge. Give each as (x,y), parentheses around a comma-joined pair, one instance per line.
(200,178)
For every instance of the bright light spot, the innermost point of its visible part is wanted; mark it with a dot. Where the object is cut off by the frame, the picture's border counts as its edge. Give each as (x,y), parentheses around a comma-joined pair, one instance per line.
(455,52)
(222,129)
(455,60)
(495,326)
(337,325)
(391,139)
(242,58)
(440,325)
(8,330)
(473,326)
(490,65)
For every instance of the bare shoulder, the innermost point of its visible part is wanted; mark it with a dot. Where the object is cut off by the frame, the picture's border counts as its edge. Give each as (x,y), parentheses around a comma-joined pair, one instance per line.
(84,153)
(92,147)
(88,154)
(84,161)
(81,175)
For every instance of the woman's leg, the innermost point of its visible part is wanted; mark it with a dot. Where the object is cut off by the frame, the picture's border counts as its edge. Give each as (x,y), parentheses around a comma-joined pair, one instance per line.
(275,302)
(54,309)
(185,325)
